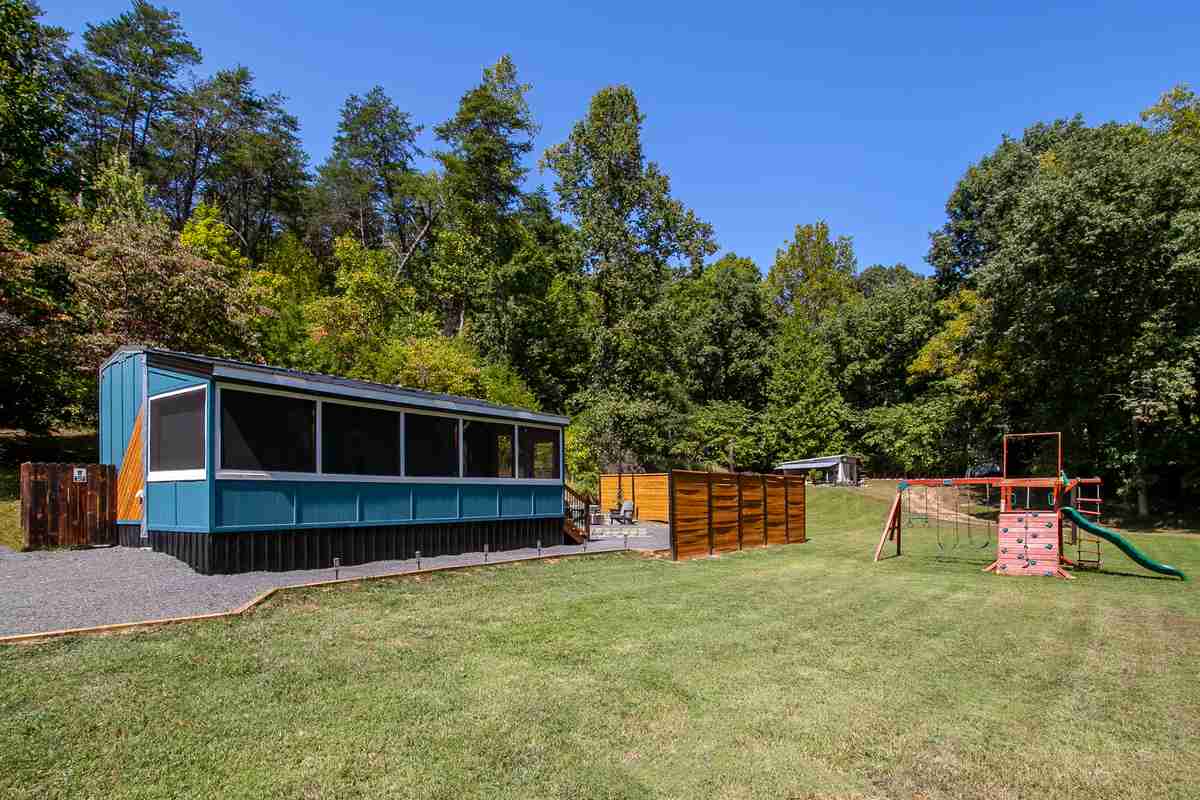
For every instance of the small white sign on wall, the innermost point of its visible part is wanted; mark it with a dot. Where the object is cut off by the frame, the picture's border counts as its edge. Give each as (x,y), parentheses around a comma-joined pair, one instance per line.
(80,475)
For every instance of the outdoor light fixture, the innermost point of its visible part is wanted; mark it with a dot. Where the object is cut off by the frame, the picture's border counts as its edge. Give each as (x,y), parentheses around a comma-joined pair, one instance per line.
(337,564)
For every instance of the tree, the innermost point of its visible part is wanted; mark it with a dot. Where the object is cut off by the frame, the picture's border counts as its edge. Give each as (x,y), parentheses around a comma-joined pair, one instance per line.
(978,208)
(261,181)
(281,288)
(805,416)
(1082,243)
(131,282)
(369,311)
(33,131)
(489,135)
(207,122)
(207,235)
(721,434)
(724,325)
(369,177)
(873,340)
(632,232)
(128,79)
(40,382)
(813,274)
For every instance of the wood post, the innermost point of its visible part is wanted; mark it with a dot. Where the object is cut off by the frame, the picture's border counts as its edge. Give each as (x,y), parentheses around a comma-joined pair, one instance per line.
(738,479)
(787,513)
(708,488)
(671,521)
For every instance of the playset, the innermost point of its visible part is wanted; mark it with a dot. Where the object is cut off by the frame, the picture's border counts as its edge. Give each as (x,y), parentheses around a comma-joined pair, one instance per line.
(1040,511)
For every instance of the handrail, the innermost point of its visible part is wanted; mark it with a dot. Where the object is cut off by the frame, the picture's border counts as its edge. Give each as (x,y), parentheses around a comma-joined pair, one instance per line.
(582,500)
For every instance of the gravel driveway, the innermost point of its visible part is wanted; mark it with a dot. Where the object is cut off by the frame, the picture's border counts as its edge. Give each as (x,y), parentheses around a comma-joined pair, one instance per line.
(53,590)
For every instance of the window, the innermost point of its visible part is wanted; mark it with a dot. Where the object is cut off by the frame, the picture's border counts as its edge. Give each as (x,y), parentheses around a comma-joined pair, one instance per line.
(268,432)
(359,441)
(539,453)
(487,449)
(430,446)
(177,432)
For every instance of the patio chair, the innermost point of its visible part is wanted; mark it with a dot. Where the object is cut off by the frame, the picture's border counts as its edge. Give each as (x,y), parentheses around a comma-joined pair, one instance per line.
(622,515)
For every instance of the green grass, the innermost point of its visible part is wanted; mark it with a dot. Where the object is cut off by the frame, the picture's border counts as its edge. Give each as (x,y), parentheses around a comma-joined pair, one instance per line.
(10,508)
(797,671)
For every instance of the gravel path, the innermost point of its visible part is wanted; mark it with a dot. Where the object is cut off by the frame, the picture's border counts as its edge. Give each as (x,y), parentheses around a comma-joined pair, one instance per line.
(53,590)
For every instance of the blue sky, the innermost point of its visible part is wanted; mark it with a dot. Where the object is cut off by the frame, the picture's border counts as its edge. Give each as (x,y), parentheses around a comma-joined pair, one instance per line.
(764,115)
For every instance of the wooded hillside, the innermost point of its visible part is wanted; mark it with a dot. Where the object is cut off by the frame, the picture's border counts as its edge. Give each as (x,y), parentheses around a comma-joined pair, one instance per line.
(140,203)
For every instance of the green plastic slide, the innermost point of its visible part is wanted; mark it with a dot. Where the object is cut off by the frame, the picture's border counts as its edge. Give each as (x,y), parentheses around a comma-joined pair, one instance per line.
(1123,544)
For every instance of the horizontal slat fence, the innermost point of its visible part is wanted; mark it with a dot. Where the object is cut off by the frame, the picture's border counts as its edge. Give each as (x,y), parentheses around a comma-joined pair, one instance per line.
(58,511)
(714,512)
(647,491)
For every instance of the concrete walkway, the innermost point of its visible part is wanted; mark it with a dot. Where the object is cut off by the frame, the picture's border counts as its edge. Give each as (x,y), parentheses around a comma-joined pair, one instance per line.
(55,590)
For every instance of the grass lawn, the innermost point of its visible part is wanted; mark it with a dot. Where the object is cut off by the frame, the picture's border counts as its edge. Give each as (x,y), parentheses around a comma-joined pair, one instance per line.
(798,671)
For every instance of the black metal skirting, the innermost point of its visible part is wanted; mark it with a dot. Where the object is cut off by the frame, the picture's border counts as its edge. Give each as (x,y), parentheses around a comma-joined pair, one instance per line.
(315,548)
(130,535)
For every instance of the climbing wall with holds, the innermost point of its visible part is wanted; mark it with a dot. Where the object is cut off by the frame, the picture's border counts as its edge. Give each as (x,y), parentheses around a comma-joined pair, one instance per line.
(1028,544)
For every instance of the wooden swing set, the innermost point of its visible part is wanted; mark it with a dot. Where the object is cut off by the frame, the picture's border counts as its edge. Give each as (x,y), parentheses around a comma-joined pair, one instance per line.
(1028,535)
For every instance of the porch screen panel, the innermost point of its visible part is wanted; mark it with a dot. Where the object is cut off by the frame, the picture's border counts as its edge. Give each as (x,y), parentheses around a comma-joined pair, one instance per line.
(539,456)
(359,441)
(430,446)
(268,433)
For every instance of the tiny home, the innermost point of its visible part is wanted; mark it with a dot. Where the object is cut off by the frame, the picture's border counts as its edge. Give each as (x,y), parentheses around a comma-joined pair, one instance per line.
(233,467)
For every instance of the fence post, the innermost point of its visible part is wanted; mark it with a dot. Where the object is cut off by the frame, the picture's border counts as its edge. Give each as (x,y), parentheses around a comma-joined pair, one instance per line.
(708,493)
(766,536)
(787,512)
(738,478)
(671,521)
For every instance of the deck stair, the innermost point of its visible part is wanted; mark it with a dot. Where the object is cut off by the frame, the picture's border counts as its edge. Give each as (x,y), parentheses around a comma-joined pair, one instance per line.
(577,524)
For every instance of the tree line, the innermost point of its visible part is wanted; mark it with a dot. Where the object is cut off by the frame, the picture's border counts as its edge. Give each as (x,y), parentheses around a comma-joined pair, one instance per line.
(142,201)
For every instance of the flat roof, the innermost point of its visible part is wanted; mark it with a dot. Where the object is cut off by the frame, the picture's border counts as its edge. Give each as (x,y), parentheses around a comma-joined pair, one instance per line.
(821,462)
(318,383)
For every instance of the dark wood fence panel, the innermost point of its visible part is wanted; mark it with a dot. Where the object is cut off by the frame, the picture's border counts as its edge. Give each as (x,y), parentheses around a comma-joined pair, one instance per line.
(689,515)
(797,530)
(715,513)
(59,511)
(754,531)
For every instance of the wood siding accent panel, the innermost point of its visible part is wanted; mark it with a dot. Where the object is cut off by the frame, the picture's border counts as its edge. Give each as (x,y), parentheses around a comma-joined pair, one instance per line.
(131,479)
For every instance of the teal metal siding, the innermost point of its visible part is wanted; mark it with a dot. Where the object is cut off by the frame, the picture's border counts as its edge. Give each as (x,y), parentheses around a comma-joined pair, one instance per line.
(120,401)
(252,504)
(435,502)
(177,505)
(547,501)
(161,380)
(516,501)
(480,502)
(327,503)
(385,502)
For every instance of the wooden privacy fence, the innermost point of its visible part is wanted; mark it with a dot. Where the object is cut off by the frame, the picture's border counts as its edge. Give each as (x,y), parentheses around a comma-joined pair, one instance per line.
(65,505)
(647,490)
(713,512)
